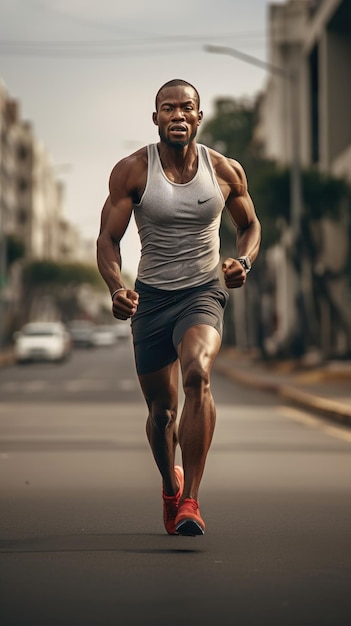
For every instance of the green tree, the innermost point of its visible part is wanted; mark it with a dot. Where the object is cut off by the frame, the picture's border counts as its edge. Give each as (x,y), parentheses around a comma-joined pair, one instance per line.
(60,282)
(50,273)
(231,131)
(14,249)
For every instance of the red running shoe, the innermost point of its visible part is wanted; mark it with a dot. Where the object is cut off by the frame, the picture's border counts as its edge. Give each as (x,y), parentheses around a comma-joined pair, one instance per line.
(189,521)
(170,503)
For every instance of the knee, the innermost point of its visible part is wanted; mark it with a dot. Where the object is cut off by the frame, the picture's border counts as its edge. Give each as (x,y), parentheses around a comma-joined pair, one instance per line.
(162,418)
(195,378)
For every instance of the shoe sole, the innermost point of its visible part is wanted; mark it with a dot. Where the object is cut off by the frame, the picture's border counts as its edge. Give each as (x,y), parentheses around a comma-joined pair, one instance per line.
(189,528)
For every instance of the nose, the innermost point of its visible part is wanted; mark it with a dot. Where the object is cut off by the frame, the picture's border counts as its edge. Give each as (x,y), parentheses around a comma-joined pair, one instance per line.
(178,113)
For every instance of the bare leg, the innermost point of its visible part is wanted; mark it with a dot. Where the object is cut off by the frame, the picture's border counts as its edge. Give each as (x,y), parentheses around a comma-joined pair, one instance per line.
(197,352)
(160,390)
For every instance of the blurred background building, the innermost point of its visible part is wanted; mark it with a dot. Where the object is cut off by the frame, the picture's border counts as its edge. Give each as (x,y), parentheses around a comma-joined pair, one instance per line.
(33,226)
(304,115)
(32,195)
(312,40)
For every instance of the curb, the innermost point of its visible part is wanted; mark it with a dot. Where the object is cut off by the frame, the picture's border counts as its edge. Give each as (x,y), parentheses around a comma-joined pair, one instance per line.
(325,407)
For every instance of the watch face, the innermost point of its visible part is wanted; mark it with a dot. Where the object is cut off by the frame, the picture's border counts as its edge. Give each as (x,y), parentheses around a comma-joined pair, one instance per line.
(245,262)
(248,263)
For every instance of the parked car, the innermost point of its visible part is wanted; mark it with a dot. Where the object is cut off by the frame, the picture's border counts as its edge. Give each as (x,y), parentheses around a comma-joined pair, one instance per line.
(122,330)
(82,333)
(47,341)
(104,336)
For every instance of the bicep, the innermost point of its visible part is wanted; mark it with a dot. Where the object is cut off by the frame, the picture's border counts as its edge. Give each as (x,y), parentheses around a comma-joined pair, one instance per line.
(233,182)
(241,210)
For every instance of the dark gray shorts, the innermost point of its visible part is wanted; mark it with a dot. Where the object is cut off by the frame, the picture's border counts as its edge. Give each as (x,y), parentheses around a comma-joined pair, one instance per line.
(163,317)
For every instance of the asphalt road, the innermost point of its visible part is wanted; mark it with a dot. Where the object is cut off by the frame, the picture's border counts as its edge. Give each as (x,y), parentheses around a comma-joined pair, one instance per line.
(82,540)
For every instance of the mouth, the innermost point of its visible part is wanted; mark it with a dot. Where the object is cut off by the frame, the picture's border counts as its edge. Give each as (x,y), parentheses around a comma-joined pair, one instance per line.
(178,128)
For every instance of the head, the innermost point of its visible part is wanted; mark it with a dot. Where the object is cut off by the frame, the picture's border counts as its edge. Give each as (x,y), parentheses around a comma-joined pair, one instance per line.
(177,114)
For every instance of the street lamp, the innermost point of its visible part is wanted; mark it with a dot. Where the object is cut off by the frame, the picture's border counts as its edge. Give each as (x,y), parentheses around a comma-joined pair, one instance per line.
(3,250)
(295,169)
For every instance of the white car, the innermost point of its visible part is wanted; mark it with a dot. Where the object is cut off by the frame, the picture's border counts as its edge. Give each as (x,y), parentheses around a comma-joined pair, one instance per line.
(47,341)
(104,336)
(122,330)
(82,333)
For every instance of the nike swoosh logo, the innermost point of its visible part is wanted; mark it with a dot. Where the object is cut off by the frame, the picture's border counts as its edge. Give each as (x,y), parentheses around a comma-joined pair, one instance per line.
(203,201)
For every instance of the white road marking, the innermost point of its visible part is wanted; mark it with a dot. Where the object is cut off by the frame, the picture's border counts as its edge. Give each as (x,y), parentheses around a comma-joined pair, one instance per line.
(128,384)
(82,384)
(35,385)
(333,430)
(70,386)
(9,387)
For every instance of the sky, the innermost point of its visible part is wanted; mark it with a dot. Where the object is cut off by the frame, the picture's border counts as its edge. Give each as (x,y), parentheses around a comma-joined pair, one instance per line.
(85,73)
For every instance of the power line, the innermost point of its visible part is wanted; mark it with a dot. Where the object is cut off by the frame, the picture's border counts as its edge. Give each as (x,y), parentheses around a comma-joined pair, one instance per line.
(110,47)
(153,38)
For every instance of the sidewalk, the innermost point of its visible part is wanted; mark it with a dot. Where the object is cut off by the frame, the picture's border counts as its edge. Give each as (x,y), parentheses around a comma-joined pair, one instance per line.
(325,390)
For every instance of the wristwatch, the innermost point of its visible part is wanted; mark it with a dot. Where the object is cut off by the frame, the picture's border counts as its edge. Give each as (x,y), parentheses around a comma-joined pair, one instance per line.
(245,262)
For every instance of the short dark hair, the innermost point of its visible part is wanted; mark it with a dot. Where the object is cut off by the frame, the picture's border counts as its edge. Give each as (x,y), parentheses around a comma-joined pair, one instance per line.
(176,82)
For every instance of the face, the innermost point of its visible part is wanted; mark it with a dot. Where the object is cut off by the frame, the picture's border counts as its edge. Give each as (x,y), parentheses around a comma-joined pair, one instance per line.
(178,116)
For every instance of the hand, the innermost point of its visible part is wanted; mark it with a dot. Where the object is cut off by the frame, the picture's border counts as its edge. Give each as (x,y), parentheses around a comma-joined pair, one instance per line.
(234,273)
(124,304)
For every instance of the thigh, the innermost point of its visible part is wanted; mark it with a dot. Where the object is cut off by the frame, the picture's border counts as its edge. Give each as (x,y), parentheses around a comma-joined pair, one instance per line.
(199,347)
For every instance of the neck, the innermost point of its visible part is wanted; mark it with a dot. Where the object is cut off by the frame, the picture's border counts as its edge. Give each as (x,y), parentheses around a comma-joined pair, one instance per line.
(177,153)
(179,164)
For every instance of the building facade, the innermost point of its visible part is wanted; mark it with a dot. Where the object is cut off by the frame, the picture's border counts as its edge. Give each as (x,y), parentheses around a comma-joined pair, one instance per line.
(310,46)
(31,215)
(31,195)
(305,122)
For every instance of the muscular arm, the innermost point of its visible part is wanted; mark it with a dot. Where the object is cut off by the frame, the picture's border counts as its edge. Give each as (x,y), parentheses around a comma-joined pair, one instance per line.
(115,218)
(232,180)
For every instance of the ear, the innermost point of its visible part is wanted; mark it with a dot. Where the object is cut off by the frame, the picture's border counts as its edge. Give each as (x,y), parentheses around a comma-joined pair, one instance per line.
(154,118)
(200,118)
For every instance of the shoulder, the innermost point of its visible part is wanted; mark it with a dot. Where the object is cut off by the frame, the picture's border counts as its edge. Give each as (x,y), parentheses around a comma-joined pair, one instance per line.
(130,172)
(130,164)
(228,172)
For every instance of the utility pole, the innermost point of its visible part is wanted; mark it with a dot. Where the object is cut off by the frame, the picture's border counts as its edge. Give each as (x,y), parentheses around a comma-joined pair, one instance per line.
(3,244)
(295,166)
(295,169)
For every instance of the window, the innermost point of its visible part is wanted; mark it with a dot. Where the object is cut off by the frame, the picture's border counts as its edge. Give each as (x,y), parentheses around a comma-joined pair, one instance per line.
(22,152)
(22,184)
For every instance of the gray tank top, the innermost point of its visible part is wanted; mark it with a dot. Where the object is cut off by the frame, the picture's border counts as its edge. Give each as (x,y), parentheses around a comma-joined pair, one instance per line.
(178,225)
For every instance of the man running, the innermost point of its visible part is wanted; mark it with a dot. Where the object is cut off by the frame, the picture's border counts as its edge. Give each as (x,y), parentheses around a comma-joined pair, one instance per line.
(177,189)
